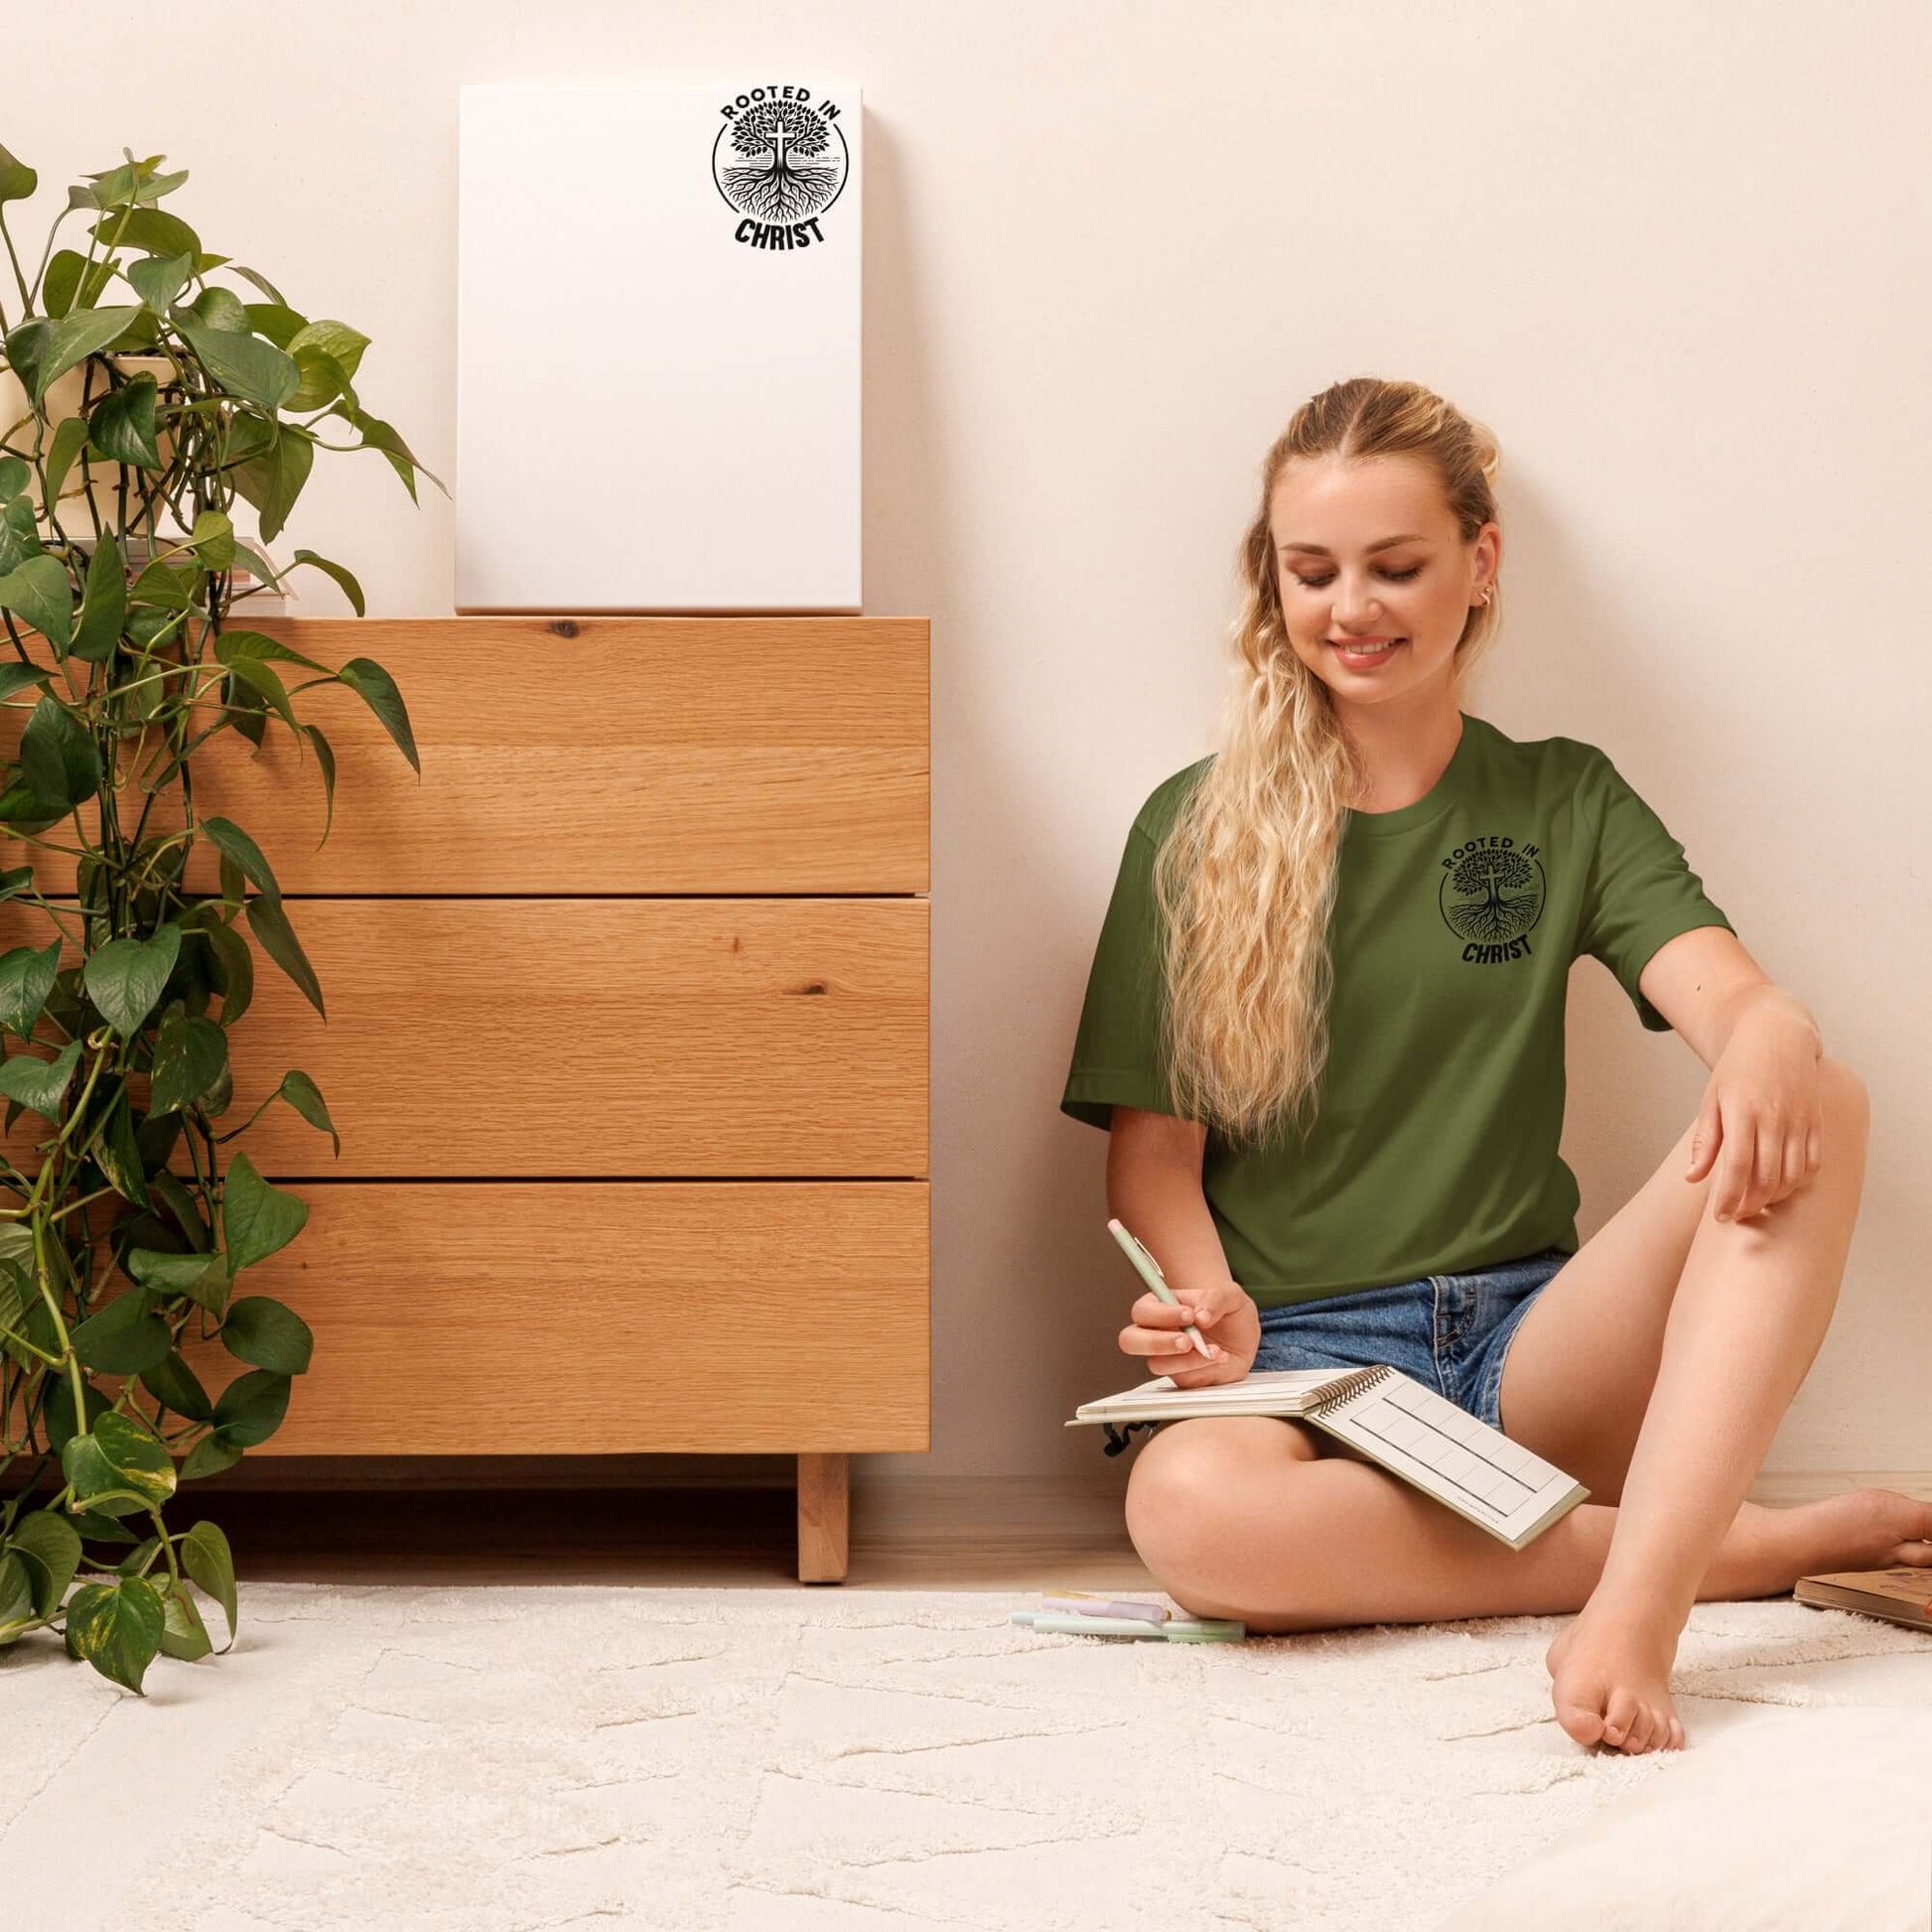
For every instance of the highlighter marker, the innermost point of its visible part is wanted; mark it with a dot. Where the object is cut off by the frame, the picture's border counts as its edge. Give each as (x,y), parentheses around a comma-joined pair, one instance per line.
(1178,1629)
(1149,1272)
(1080,1602)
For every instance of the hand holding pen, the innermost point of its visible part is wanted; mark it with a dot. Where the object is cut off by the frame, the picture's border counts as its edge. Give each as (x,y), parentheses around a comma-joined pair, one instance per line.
(1166,1325)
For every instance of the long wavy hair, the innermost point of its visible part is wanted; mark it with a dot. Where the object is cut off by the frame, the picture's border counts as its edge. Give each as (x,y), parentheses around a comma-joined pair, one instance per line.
(1245,879)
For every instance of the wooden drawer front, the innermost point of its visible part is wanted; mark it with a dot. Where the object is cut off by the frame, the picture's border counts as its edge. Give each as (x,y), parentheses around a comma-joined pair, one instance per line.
(601,1318)
(589,754)
(623,1036)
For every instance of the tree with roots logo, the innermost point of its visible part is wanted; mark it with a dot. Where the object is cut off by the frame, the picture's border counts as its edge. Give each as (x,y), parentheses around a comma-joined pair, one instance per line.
(782,135)
(1499,899)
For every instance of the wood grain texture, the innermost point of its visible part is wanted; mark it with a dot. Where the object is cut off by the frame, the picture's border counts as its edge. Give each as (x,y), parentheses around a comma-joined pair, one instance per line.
(613,1037)
(601,1318)
(824,1516)
(628,1040)
(587,754)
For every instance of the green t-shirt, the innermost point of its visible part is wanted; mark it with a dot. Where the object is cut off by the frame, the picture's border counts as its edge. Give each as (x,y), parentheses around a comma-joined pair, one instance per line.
(1455,921)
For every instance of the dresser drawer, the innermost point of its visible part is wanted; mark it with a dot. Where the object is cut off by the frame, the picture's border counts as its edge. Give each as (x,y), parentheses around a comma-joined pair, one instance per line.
(601,1317)
(622,1036)
(587,755)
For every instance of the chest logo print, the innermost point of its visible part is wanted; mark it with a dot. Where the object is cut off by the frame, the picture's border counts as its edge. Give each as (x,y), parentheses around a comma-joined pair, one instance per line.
(1490,896)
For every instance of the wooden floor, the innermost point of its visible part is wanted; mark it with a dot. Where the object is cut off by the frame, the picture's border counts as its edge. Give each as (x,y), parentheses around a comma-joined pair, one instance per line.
(625,1520)
(665,1537)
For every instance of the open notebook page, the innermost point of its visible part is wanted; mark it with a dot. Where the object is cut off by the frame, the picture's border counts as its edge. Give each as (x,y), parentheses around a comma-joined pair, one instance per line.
(1475,1469)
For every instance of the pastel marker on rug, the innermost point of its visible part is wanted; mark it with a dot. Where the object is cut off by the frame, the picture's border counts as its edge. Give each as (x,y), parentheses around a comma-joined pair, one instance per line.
(1149,1272)
(1177,1629)
(1081,1603)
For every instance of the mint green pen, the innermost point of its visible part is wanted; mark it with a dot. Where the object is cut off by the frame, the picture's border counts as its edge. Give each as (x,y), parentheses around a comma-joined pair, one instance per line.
(1149,1272)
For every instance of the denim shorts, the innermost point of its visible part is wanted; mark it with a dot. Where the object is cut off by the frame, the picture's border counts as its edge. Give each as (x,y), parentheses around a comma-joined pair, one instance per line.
(1449,1332)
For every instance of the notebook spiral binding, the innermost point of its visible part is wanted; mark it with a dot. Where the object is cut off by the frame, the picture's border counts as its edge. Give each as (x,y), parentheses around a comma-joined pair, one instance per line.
(1119,1435)
(1364,1378)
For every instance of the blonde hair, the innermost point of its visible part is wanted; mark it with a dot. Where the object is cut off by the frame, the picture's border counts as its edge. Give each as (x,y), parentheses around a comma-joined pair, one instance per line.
(1245,879)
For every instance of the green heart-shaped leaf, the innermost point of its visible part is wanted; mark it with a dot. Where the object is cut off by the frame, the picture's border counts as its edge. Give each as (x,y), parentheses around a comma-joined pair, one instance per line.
(68,439)
(377,689)
(42,593)
(51,1546)
(57,756)
(209,1563)
(157,279)
(124,1337)
(263,1332)
(243,364)
(37,1085)
(270,925)
(104,604)
(250,1409)
(171,1382)
(305,1097)
(125,977)
(72,341)
(189,1055)
(26,981)
(116,1628)
(235,844)
(256,1219)
(118,1454)
(273,479)
(121,427)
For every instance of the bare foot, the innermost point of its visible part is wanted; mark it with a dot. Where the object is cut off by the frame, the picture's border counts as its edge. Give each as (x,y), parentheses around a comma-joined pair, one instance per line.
(1610,1679)
(1864,1529)
(1611,1670)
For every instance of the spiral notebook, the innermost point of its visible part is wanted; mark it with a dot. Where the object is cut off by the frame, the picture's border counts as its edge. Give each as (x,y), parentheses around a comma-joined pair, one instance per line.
(1388,1416)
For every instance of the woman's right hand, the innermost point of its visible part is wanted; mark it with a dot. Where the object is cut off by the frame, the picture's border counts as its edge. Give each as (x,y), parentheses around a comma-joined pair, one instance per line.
(1229,1323)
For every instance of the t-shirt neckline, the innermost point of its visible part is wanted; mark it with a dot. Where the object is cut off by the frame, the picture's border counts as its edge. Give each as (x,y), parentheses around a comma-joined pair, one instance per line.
(1425,810)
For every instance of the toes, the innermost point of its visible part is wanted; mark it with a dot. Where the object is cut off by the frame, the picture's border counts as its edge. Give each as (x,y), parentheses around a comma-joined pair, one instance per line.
(1660,1733)
(1580,1720)
(1618,1715)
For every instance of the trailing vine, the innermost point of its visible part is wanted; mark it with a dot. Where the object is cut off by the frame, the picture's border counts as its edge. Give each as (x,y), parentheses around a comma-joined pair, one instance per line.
(148,398)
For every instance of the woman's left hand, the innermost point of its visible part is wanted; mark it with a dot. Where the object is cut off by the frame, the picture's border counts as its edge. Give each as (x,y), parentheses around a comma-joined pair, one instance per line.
(1760,1117)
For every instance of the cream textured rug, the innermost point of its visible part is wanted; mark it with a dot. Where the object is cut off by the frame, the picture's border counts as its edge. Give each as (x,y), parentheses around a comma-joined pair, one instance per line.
(821,1761)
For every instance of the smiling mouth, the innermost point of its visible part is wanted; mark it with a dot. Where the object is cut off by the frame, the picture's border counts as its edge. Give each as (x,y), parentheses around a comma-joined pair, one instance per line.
(1373,650)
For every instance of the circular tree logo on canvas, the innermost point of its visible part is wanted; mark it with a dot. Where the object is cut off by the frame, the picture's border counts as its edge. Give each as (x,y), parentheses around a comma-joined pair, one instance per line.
(780,161)
(1492,894)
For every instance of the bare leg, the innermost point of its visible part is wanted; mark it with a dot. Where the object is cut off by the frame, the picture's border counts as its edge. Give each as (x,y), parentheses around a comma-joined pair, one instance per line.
(1746,1319)
(1250,1517)
(1668,1330)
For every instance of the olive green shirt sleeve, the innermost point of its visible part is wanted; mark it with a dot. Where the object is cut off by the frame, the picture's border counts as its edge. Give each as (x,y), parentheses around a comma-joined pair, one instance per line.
(1117,1057)
(1640,891)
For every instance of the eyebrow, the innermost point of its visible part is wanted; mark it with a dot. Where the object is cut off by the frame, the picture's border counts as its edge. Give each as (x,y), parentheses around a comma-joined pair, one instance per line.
(1386,543)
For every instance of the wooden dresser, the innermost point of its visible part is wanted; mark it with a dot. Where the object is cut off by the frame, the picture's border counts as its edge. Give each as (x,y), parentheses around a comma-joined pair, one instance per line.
(626,1041)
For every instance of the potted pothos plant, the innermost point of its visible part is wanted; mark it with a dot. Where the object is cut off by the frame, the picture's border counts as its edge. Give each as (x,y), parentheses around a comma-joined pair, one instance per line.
(145,385)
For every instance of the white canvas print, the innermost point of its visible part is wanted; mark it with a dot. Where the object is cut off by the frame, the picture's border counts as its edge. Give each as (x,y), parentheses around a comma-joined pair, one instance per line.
(658,348)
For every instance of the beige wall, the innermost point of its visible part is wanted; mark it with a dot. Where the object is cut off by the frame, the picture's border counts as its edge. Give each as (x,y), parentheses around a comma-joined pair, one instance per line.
(1675,256)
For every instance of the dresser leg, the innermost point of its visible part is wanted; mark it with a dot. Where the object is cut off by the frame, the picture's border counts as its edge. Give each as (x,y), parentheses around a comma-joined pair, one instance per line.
(823,1501)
